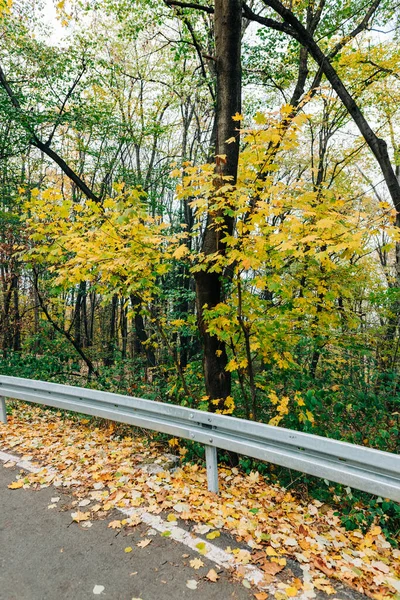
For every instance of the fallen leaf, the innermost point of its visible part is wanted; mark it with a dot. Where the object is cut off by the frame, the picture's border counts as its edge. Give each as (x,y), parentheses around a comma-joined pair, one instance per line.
(202,529)
(84,502)
(261,596)
(80,516)
(128,549)
(115,524)
(171,518)
(56,499)
(98,589)
(291,591)
(196,563)
(272,568)
(212,535)
(15,485)
(213,575)
(246,583)
(143,543)
(377,564)
(202,548)
(191,584)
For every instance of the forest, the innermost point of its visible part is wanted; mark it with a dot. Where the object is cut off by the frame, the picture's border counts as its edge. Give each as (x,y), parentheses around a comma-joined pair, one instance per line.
(200,204)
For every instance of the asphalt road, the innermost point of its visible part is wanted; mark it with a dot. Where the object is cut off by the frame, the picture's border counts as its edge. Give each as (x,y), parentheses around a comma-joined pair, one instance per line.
(45,556)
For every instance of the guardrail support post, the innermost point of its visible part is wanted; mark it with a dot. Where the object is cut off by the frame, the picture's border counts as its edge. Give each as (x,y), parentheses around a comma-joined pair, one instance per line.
(212,469)
(3,410)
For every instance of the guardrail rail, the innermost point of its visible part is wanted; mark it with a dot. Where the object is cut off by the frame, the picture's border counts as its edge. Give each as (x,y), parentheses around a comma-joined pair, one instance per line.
(366,469)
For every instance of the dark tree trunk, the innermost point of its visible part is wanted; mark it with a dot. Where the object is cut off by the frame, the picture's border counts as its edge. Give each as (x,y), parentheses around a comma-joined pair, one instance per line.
(140,345)
(124,329)
(228,23)
(109,357)
(16,316)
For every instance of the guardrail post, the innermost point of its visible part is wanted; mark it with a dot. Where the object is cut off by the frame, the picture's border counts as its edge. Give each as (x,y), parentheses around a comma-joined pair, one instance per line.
(212,469)
(3,410)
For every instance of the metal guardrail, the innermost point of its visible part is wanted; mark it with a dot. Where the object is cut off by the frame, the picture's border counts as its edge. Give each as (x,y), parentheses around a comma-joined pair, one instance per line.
(362,468)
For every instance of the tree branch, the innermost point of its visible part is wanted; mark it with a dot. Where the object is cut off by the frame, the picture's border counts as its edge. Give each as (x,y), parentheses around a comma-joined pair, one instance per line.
(42,146)
(207,9)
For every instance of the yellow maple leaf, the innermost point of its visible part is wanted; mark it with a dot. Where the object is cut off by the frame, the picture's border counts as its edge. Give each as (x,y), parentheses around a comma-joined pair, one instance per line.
(181,251)
(171,518)
(15,485)
(115,524)
(196,563)
(212,535)
(79,516)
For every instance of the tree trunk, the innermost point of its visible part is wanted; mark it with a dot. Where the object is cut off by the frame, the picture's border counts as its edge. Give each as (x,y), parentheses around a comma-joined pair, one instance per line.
(228,23)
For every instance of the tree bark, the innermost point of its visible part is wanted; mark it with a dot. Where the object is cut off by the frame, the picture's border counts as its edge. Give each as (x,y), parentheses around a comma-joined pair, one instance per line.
(209,290)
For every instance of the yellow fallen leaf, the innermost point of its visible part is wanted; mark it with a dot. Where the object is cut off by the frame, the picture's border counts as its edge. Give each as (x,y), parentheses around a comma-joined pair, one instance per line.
(212,535)
(171,518)
(196,563)
(79,516)
(115,524)
(15,485)
(291,591)
(128,549)
(202,548)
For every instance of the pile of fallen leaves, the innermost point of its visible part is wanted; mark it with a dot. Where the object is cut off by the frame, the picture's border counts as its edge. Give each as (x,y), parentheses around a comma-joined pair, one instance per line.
(268,523)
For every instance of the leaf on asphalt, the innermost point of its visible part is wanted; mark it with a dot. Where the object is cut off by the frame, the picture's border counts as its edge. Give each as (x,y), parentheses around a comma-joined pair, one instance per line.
(15,485)
(212,535)
(87,524)
(98,589)
(143,543)
(261,596)
(84,502)
(246,583)
(196,563)
(79,516)
(128,549)
(212,575)
(115,524)
(191,584)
